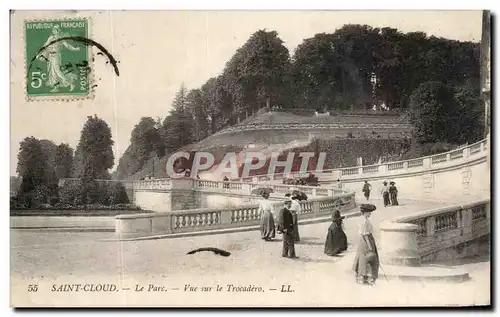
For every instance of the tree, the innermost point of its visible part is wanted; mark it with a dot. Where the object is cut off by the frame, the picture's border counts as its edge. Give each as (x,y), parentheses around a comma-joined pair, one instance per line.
(63,161)
(96,148)
(442,113)
(255,76)
(195,102)
(178,125)
(94,156)
(31,164)
(468,117)
(325,75)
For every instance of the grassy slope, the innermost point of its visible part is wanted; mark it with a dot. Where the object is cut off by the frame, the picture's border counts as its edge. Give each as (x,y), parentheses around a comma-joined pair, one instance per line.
(221,144)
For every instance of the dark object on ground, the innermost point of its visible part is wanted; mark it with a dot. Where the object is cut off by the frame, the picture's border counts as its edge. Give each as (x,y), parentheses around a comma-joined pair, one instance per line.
(214,250)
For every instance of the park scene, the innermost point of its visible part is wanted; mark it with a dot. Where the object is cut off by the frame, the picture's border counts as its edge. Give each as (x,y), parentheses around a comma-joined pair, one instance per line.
(358,159)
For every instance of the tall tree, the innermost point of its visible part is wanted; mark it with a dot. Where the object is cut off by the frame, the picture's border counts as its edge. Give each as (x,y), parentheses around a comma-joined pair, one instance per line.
(31,164)
(195,106)
(256,75)
(96,148)
(178,125)
(64,161)
(442,113)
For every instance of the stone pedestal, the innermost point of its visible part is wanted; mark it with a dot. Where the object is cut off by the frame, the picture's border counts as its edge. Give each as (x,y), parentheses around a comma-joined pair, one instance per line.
(399,242)
(400,257)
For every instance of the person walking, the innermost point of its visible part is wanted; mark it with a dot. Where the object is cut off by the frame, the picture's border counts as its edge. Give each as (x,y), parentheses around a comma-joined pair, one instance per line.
(367,189)
(366,262)
(385,194)
(286,227)
(336,239)
(295,209)
(266,210)
(393,193)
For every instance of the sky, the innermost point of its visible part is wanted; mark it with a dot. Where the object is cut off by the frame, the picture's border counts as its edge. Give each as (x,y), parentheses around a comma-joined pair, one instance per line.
(160,50)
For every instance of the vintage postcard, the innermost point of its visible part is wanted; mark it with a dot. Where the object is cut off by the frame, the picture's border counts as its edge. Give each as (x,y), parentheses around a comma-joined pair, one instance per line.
(250,158)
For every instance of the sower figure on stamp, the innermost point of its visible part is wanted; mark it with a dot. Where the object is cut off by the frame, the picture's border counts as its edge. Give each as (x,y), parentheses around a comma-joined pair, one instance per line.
(286,227)
(52,53)
(366,262)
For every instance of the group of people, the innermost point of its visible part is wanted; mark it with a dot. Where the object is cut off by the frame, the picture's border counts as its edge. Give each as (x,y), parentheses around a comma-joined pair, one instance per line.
(366,262)
(268,219)
(389,193)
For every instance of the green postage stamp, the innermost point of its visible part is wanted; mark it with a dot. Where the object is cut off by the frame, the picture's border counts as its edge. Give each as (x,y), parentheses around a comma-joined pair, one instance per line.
(57,59)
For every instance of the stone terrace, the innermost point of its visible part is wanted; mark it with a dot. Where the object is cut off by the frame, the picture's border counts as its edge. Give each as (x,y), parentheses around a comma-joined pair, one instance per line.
(317,280)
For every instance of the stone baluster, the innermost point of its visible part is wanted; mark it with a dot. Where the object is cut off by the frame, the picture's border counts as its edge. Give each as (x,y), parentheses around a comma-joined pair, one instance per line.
(226,217)
(430,226)
(467,221)
(383,168)
(426,162)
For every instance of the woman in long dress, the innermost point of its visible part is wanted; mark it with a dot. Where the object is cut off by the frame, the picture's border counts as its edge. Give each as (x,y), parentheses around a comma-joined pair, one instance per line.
(267,226)
(366,262)
(336,240)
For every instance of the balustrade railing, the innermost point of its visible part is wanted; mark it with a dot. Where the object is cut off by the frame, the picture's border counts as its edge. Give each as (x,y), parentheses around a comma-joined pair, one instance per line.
(216,218)
(439,158)
(446,221)
(370,169)
(445,227)
(409,165)
(301,126)
(161,184)
(403,166)
(350,171)
(415,163)
(395,166)
(456,155)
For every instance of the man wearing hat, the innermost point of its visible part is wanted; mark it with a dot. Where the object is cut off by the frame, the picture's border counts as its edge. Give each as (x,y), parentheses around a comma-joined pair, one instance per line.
(385,194)
(286,227)
(393,193)
(366,262)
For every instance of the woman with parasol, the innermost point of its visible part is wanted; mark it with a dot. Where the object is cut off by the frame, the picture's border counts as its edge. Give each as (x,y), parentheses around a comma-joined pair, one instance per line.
(336,240)
(366,262)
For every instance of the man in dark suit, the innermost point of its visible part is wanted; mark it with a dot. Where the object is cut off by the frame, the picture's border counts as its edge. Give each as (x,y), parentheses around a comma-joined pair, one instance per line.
(286,227)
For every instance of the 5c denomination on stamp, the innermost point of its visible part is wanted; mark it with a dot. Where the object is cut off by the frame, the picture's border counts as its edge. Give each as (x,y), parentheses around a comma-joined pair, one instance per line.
(57,65)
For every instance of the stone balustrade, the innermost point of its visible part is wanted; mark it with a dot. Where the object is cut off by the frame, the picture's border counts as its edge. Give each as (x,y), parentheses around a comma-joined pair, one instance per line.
(310,126)
(442,160)
(435,234)
(205,219)
(153,184)
(243,187)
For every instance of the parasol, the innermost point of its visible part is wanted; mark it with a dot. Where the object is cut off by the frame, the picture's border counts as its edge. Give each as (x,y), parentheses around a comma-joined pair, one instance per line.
(299,194)
(261,190)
